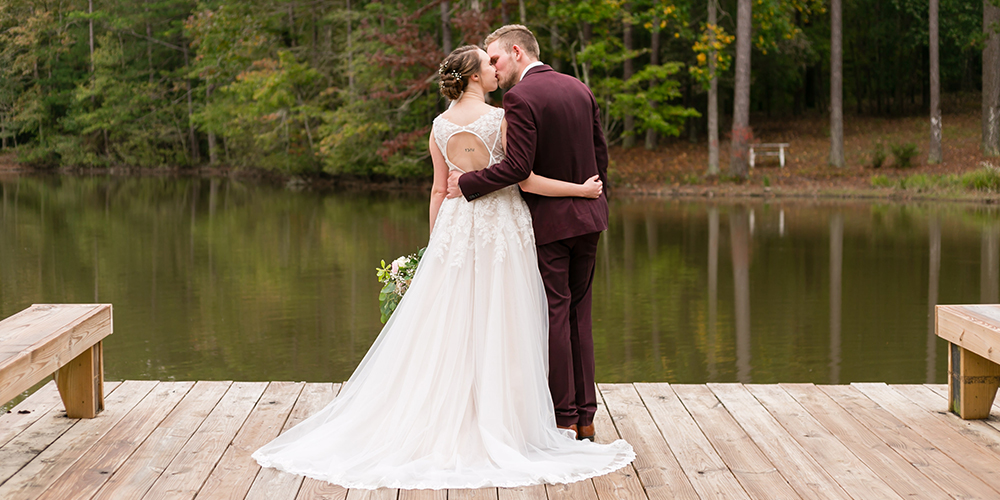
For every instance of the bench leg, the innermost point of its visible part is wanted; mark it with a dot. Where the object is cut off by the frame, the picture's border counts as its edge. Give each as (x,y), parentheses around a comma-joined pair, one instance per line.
(81,383)
(972,383)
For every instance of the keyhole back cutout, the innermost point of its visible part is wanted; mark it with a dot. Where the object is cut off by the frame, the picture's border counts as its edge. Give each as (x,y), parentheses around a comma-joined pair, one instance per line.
(468,152)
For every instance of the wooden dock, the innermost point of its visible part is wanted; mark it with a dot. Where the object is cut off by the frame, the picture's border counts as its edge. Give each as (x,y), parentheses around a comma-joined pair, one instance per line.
(188,440)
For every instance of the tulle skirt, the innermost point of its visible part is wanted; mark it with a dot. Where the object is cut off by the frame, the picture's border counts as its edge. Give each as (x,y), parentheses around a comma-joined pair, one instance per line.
(453,393)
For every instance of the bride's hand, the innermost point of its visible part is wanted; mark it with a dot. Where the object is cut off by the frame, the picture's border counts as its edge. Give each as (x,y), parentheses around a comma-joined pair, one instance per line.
(592,188)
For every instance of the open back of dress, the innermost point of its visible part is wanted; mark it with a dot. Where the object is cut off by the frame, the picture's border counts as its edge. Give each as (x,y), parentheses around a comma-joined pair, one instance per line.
(470,147)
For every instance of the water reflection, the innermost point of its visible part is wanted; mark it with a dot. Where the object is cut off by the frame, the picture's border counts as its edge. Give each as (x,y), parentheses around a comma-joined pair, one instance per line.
(740,226)
(836,267)
(934,273)
(217,279)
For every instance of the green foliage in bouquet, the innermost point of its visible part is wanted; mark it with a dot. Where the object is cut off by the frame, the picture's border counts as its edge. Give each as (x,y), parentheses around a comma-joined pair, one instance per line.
(396,276)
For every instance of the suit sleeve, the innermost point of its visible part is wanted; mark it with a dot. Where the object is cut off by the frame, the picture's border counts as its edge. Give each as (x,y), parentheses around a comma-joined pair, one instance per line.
(520,154)
(600,145)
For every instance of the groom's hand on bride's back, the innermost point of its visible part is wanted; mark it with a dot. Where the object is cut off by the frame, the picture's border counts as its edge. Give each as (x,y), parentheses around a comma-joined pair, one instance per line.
(454,190)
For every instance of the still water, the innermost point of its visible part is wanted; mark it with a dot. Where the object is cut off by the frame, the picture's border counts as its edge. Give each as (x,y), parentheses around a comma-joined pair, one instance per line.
(224,280)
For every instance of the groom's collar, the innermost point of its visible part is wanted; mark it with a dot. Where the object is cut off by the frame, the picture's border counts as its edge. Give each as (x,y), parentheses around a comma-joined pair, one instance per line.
(525,70)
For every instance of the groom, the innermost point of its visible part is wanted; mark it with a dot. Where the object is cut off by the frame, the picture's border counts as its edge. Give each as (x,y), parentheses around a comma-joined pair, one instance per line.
(553,129)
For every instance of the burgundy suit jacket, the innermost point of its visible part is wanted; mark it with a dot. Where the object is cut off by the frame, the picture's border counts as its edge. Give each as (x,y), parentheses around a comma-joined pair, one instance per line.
(553,129)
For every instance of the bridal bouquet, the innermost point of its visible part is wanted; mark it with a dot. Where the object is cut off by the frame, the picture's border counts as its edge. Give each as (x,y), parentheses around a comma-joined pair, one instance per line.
(396,276)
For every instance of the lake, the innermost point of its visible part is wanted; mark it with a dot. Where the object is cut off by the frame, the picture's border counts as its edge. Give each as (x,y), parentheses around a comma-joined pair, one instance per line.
(218,279)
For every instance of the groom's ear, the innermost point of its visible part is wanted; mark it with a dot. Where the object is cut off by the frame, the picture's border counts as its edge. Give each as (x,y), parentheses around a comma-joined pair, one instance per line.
(516,52)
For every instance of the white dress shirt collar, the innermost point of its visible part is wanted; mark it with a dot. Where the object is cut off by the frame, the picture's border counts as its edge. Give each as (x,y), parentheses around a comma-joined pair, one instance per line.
(525,70)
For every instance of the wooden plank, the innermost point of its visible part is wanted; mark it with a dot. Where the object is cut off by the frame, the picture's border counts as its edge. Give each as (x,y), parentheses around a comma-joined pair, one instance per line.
(706,470)
(312,489)
(897,472)
(28,412)
(38,321)
(235,472)
(655,464)
(423,495)
(272,484)
(801,471)
(901,475)
(968,328)
(622,484)
(983,464)
(942,390)
(96,466)
(826,449)
(972,383)
(39,435)
(69,329)
(81,383)
(379,494)
(978,431)
(188,470)
(580,490)
(144,466)
(536,492)
(914,448)
(44,469)
(477,494)
(752,469)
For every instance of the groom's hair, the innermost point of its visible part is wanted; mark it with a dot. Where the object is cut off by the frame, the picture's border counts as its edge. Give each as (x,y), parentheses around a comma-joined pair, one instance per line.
(514,34)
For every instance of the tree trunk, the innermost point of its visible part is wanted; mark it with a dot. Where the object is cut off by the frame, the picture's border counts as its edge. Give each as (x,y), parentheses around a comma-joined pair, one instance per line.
(90,10)
(654,59)
(554,44)
(628,139)
(192,136)
(291,24)
(350,51)
(504,14)
(149,43)
(446,27)
(934,152)
(523,12)
(741,133)
(991,81)
(836,85)
(213,156)
(713,96)
(586,32)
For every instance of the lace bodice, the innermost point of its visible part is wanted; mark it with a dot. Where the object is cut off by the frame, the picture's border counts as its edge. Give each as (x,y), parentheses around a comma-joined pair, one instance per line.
(486,128)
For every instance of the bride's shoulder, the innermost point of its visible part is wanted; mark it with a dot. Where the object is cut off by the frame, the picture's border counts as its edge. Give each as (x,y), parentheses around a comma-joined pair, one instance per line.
(468,114)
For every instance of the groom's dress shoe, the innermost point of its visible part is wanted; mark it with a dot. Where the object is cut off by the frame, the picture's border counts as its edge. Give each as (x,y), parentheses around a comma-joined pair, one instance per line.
(571,427)
(586,432)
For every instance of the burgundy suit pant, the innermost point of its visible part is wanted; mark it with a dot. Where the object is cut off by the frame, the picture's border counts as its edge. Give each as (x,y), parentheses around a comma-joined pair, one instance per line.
(567,268)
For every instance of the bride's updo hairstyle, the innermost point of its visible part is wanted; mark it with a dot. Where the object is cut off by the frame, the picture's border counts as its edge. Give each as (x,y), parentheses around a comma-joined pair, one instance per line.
(456,69)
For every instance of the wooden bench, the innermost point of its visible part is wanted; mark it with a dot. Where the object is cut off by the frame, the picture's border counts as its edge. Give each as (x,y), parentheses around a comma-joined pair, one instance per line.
(973,333)
(768,149)
(60,339)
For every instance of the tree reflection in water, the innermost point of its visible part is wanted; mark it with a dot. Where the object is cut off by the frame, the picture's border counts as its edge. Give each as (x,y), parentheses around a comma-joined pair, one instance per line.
(220,279)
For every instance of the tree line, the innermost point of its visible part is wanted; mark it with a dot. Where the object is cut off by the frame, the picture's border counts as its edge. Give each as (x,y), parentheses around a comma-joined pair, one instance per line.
(348,86)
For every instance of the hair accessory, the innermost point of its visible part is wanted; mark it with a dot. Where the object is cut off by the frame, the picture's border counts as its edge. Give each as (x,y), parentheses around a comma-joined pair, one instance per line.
(454,73)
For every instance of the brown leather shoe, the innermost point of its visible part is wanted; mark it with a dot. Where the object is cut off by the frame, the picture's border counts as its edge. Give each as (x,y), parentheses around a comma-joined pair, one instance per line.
(571,427)
(586,432)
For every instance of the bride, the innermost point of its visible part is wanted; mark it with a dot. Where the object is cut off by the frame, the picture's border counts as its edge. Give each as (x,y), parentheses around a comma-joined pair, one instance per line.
(453,393)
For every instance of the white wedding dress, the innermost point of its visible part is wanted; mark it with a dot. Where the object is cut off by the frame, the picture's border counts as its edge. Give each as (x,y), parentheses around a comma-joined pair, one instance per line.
(453,393)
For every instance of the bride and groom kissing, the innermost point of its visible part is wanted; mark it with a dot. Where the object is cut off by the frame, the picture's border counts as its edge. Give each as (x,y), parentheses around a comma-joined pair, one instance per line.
(484,374)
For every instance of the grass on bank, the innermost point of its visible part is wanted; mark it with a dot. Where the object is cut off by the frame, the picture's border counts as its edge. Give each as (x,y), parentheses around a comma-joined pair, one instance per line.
(984,179)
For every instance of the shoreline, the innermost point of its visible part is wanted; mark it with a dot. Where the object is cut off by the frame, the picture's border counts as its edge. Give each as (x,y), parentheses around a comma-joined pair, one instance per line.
(813,189)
